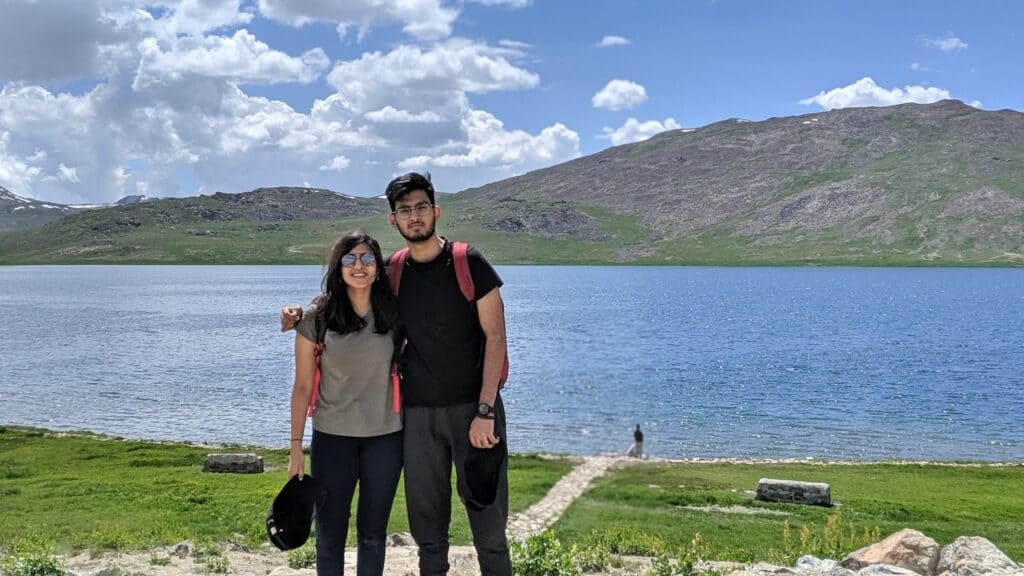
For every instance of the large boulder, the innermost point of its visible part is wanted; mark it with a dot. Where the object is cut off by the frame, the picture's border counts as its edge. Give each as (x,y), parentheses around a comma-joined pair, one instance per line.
(907,549)
(233,463)
(975,556)
(814,493)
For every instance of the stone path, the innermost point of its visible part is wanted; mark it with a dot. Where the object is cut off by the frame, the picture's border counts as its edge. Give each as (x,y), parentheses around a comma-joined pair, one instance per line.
(550,508)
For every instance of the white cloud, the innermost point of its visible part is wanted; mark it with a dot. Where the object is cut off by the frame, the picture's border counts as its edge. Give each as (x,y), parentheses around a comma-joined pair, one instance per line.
(515,45)
(412,74)
(975,103)
(240,58)
(915,66)
(501,152)
(167,105)
(390,114)
(337,164)
(634,130)
(949,43)
(424,19)
(619,95)
(608,41)
(52,39)
(865,92)
(66,174)
(199,16)
(16,174)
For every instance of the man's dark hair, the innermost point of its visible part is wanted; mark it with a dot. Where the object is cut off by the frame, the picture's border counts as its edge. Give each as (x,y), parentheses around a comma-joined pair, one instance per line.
(406,184)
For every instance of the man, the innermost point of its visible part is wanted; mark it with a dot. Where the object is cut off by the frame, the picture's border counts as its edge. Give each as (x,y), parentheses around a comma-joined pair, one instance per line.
(451,366)
(637,449)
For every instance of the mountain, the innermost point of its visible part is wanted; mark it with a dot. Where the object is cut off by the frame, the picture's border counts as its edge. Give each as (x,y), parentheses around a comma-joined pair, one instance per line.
(17,212)
(914,184)
(220,227)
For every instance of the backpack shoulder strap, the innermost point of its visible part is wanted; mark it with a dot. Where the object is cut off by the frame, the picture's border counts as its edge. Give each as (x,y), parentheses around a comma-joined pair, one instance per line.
(320,325)
(460,254)
(395,267)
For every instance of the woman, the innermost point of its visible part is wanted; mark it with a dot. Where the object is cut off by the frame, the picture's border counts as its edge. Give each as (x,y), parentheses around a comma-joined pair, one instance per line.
(357,426)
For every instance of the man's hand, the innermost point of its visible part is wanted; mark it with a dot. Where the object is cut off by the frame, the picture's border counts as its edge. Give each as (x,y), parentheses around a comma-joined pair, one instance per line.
(290,316)
(481,433)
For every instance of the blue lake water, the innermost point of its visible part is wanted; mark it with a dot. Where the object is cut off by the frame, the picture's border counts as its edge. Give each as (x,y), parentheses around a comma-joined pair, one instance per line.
(829,363)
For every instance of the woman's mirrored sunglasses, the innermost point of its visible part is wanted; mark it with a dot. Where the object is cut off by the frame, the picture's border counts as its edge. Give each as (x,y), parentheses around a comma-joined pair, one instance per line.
(366,258)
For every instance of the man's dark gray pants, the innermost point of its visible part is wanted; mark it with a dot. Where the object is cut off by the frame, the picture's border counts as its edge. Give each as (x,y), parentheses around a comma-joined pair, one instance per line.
(435,437)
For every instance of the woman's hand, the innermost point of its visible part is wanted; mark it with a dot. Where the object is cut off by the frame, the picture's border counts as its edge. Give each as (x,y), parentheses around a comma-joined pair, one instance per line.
(296,461)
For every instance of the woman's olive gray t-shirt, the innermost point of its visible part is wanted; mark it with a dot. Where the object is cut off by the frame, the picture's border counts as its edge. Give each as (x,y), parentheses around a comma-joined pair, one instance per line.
(355,381)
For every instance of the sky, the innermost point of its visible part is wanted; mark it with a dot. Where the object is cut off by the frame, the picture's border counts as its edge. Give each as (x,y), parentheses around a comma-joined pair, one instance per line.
(100,99)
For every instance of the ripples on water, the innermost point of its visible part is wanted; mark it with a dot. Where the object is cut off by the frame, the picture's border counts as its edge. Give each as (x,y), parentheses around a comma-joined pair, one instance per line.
(745,362)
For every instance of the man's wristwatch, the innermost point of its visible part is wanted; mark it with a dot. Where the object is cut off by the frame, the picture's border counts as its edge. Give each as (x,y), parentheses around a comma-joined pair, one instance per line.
(485,411)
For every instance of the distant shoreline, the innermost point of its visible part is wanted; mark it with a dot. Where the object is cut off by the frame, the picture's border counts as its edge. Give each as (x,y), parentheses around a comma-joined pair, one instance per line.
(549,455)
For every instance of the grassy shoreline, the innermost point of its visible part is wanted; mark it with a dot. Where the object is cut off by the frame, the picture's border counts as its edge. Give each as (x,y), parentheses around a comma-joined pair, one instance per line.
(83,491)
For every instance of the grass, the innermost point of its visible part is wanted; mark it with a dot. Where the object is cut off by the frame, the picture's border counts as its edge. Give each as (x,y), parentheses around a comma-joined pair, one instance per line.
(84,491)
(642,509)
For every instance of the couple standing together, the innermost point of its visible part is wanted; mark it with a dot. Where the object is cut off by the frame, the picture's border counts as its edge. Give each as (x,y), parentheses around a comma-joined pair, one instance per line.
(451,352)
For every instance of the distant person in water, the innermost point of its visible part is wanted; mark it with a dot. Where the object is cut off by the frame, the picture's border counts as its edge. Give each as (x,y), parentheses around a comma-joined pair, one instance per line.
(637,449)
(357,426)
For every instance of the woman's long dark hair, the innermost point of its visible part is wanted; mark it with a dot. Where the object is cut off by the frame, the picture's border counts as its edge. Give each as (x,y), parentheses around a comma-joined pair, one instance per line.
(334,303)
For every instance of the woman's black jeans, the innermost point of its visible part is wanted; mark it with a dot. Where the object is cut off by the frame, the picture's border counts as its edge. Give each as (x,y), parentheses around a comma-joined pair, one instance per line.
(339,463)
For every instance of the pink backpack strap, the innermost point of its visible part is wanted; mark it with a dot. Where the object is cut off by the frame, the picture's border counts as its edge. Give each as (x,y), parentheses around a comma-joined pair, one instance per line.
(460,253)
(395,267)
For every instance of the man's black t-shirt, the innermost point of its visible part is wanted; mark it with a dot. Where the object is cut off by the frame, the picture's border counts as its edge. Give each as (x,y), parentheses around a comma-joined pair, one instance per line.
(443,360)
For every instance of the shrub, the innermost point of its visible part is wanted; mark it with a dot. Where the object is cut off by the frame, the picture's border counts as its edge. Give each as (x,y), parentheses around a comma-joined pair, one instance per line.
(304,557)
(216,564)
(628,540)
(544,555)
(31,556)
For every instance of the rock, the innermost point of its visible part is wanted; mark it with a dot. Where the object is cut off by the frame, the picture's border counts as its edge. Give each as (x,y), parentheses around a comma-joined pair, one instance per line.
(885,570)
(815,493)
(764,569)
(717,566)
(975,556)
(907,548)
(182,549)
(234,463)
(401,539)
(811,566)
(103,571)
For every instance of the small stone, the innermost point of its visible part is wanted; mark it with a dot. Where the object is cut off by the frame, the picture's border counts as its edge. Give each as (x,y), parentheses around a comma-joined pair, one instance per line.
(182,549)
(401,539)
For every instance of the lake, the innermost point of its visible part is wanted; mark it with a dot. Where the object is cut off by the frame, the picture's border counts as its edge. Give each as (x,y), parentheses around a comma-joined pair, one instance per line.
(824,363)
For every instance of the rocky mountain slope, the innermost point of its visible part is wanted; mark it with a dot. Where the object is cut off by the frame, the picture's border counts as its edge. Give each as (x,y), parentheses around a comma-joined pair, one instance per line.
(913,184)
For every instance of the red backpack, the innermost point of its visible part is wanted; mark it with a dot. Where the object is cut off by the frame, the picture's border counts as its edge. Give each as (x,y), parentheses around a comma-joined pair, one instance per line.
(460,254)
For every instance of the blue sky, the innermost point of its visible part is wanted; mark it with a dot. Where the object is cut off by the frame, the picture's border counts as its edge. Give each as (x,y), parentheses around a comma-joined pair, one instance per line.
(103,98)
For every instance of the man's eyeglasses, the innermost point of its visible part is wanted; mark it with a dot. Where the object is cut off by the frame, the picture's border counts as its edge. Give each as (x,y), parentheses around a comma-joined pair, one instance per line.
(366,258)
(420,209)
